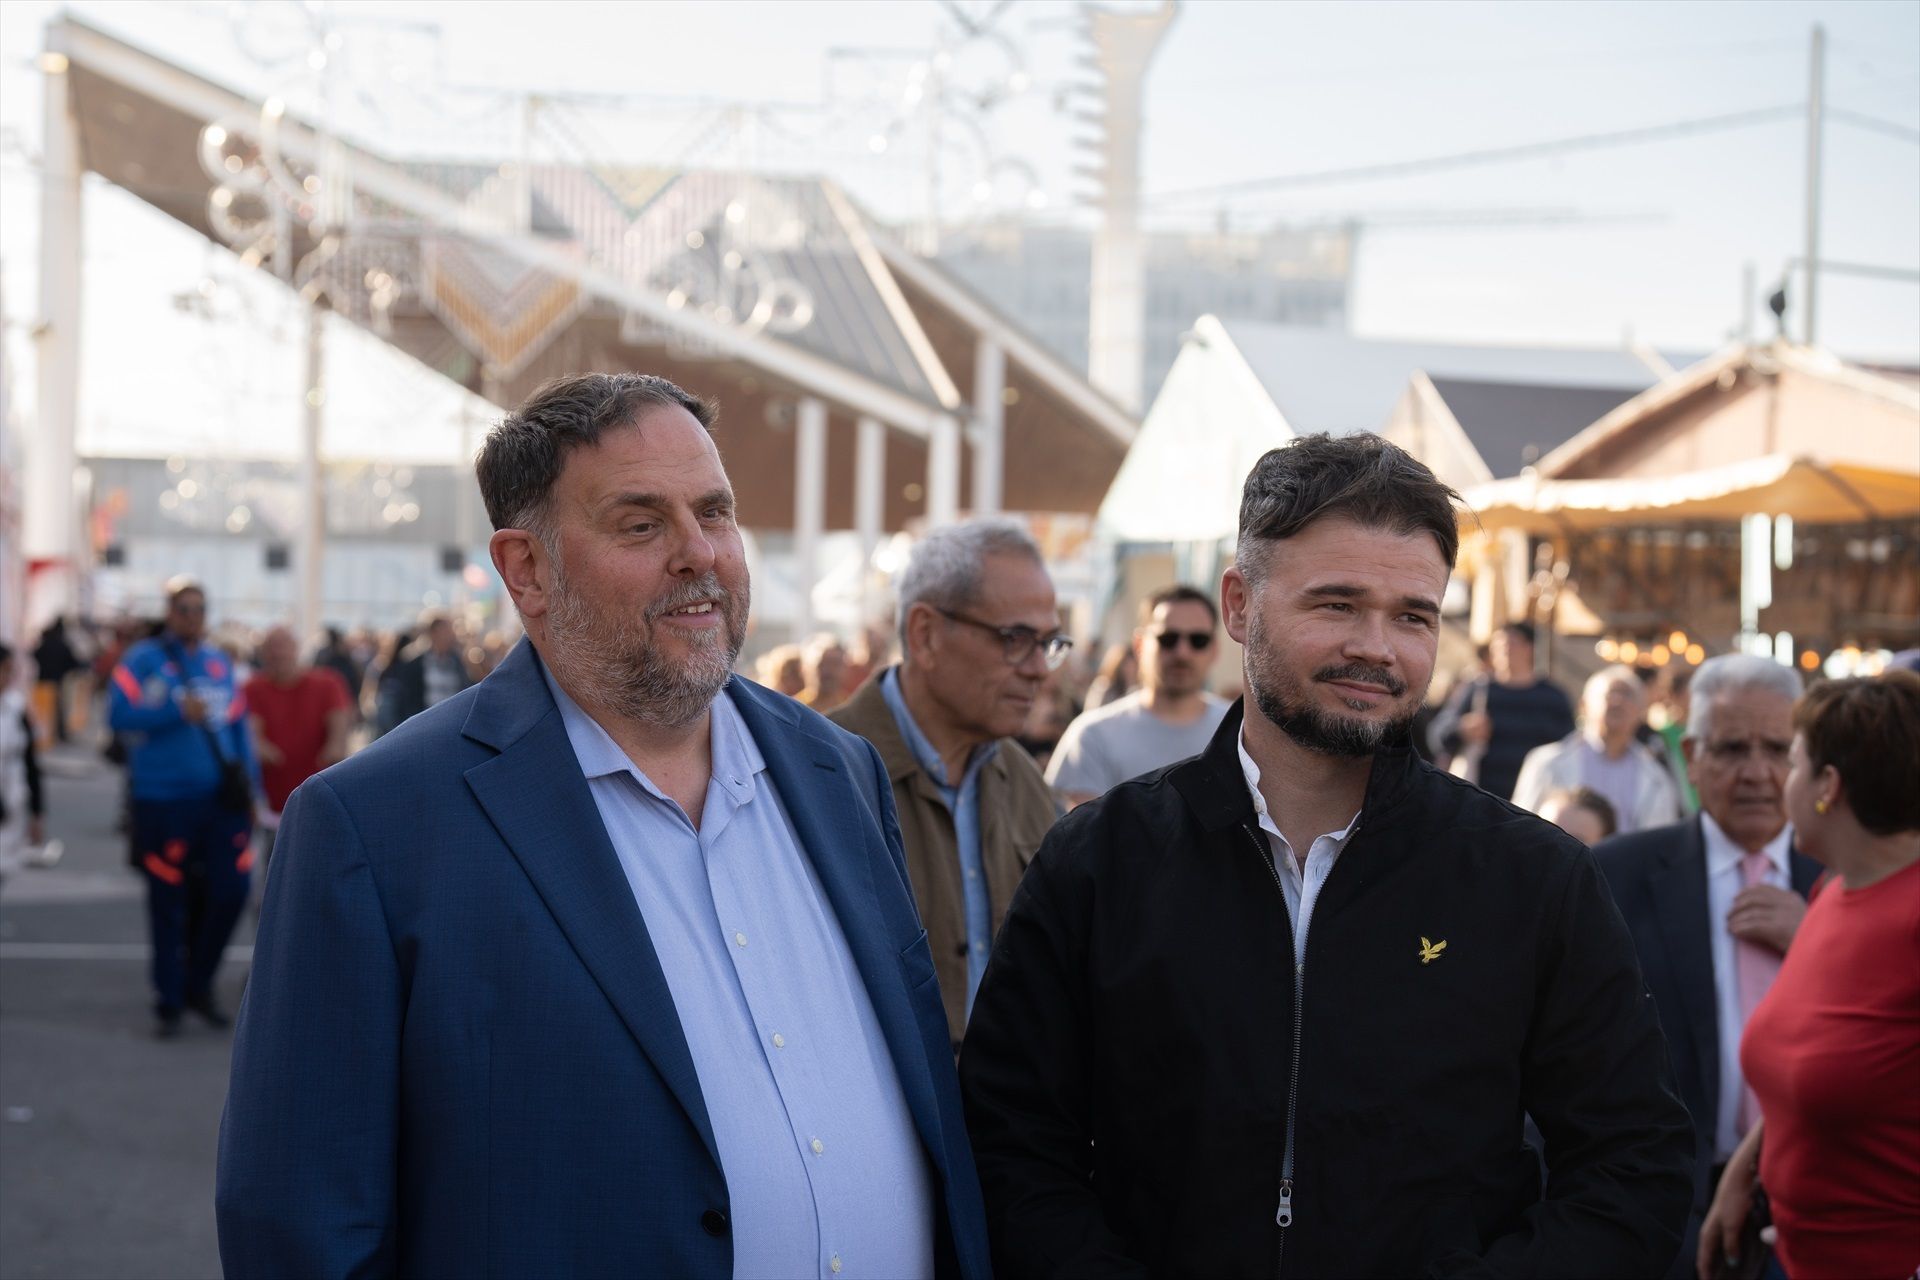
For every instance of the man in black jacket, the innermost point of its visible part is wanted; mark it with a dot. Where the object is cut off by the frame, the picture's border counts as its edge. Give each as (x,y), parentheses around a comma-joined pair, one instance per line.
(1280,1009)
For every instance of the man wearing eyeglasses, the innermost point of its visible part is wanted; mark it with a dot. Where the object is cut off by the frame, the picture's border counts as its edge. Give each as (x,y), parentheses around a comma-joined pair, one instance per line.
(1713,902)
(979,634)
(1171,716)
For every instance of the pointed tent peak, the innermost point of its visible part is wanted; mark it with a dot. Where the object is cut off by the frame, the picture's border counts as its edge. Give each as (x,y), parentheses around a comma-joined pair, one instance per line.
(1328,380)
(1211,421)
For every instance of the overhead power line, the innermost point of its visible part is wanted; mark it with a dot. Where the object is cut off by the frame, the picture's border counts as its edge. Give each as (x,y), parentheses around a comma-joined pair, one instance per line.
(1860,120)
(1489,155)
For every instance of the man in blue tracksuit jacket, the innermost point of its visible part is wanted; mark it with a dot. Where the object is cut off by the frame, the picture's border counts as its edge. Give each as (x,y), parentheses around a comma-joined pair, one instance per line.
(185,717)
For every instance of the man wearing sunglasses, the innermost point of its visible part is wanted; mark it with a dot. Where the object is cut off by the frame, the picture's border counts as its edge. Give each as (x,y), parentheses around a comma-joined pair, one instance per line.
(979,634)
(1170,717)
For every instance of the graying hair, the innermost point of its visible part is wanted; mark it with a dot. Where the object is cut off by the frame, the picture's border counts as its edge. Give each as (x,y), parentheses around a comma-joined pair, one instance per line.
(1618,673)
(1731,672)
(945,567)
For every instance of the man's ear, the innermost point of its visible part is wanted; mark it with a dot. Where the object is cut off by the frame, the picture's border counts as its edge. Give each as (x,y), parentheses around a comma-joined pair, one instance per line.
(917,635)
(521,561)
(1236,597)
(1690,752)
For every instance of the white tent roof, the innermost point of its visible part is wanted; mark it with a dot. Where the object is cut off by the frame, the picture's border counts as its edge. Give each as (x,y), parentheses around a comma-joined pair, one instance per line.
(1181,479)
(1238,389)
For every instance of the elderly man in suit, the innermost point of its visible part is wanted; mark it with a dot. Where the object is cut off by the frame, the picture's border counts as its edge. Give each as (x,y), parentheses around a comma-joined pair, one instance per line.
(1713,902)
(610,964)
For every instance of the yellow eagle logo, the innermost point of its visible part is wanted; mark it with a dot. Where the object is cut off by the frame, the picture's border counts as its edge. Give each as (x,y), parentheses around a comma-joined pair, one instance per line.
(1430,951)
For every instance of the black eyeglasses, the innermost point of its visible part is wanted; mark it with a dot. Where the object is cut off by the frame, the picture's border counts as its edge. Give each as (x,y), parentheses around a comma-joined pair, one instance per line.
(1196,640)
(1018,643)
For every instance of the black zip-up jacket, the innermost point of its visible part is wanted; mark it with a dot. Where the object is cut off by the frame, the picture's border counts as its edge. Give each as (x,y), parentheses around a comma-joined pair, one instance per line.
(1137,1053)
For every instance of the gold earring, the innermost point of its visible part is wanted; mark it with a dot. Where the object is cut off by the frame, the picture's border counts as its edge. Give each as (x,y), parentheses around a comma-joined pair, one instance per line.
(1821,806)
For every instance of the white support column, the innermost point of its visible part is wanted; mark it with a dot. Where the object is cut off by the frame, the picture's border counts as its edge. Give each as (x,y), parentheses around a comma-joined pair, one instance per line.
(809,506)
(943,472)
(52,514)
(989,425)
(310,553)
(869,502)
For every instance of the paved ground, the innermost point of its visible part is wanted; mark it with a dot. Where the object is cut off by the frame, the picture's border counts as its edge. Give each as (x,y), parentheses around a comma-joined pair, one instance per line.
(107,1141)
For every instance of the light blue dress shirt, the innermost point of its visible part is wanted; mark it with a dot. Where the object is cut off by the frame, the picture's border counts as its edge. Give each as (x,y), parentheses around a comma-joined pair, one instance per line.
(825,1172)
(963,802)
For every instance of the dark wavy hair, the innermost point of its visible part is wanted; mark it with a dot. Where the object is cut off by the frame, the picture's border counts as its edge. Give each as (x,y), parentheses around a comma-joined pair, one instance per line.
(1362,477)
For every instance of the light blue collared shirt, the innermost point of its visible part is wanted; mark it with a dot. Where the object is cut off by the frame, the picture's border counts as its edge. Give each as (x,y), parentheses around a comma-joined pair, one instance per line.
(825,1172)
(963,802)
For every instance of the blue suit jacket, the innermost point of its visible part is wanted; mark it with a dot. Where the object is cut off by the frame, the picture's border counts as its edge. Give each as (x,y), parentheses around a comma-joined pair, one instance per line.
(458,1055)
(1659,881)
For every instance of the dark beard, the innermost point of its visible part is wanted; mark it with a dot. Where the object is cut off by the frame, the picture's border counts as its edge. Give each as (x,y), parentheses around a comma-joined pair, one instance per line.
(620,666)
(1287,705)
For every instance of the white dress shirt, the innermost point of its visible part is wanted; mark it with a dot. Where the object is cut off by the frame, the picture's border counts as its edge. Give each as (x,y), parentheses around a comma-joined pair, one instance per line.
(1301,888)
(1723,886)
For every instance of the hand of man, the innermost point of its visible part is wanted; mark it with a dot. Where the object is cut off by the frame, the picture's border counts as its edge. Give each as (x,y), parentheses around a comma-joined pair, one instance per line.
(1476,728)
(193,707)
(270,754)
(1767,915)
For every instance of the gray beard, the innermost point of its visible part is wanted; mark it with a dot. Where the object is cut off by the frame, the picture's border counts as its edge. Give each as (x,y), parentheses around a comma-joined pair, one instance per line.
(618,664)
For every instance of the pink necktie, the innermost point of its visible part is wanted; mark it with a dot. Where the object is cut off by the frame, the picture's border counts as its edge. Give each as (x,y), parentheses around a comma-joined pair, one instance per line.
(1754,969)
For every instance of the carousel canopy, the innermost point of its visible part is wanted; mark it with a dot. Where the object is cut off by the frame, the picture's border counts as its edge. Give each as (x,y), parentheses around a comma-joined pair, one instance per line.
(1808,489)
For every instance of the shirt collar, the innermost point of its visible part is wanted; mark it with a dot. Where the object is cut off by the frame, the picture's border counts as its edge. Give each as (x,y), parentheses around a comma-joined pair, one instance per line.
(917,742)
(1723,854)
(1251,772)
(736,757)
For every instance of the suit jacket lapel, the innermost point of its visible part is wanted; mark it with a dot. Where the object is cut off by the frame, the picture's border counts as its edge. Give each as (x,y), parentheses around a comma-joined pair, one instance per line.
(538,799)
(1802,871)
(828,814)
(1679,892)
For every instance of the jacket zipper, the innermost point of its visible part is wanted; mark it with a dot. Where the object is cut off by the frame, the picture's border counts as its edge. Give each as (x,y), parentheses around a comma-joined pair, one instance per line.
(1283,1215)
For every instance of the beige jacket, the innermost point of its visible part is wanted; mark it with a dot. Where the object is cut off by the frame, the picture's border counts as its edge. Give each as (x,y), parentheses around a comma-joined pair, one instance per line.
(1016,809)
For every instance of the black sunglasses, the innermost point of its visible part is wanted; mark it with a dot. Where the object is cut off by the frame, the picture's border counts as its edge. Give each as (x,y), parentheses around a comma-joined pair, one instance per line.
(1199,640)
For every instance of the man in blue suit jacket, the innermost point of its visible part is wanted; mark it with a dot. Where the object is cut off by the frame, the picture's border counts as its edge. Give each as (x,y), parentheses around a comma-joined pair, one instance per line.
(610,964)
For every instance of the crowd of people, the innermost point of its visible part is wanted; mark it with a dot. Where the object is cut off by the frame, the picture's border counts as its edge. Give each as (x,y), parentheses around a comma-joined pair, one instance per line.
(950,951)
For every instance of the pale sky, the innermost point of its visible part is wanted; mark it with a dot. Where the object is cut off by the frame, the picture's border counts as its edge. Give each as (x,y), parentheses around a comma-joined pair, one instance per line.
(1239,91)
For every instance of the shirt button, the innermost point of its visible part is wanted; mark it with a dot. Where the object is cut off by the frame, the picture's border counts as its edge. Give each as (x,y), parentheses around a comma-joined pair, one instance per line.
(779,1041)
(835,1264)
(740,938)
(819,1147)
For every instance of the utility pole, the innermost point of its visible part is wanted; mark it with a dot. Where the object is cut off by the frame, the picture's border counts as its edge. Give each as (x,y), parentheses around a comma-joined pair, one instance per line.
(1816,74)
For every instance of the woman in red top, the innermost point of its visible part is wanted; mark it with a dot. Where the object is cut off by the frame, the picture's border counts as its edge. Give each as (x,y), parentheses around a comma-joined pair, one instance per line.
(1833,1051)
